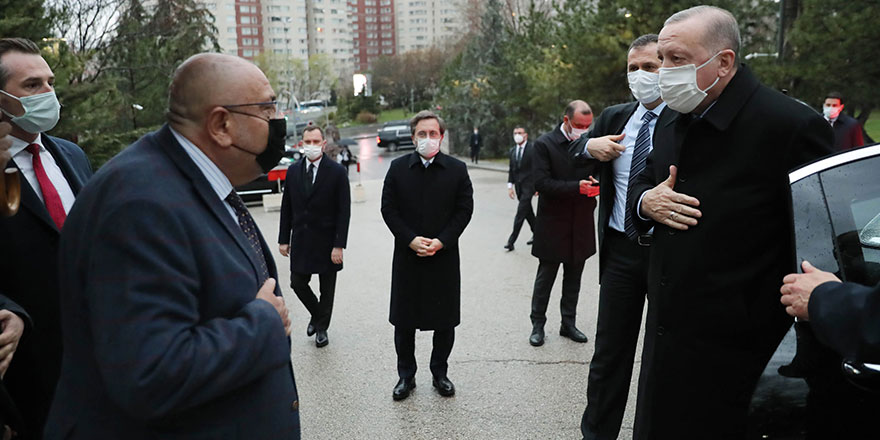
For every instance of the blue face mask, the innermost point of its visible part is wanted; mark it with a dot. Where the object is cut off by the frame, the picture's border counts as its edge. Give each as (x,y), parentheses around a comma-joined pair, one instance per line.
(41,112)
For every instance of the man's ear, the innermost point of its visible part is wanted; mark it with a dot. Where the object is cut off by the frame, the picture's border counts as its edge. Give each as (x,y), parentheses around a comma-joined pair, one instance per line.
(218,126)
(728,63)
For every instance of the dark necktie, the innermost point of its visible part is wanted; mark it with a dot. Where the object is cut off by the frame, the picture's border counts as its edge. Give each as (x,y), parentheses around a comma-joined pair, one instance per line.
(519,153)
(640,155)
(310,178)
(50,194)
(247,225)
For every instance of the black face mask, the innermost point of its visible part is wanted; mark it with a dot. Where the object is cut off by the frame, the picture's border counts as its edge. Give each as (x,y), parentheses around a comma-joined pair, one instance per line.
(274,151)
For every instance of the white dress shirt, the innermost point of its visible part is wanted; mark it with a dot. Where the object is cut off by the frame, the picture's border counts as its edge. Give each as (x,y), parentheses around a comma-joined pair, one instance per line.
(316,164)
(425,162)
(622,164)
(25,162)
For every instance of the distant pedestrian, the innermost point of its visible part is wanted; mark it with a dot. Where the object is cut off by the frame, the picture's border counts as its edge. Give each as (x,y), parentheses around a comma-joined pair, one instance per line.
(847,130)
(315,213)
(521,184)
(476,144)
(427,202)
(564,232)
(345,157)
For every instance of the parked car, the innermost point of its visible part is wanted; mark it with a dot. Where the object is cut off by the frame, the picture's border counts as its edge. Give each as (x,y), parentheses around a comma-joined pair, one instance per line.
(836,212)
(393,135)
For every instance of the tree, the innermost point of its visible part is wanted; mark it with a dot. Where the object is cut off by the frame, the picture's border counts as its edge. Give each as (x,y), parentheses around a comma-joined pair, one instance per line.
(25,19)
(831,51)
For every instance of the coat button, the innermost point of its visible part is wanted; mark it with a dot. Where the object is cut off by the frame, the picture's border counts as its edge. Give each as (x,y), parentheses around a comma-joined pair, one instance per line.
(295,405)
(671,232)
(660,330)
(682,179)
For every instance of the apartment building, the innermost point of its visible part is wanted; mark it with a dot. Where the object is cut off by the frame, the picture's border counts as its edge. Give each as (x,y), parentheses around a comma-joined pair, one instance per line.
(373,29)
(425,23)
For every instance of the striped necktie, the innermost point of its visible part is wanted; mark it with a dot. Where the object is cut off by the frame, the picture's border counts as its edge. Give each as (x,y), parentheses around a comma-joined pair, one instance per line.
(640,155)
(249,227)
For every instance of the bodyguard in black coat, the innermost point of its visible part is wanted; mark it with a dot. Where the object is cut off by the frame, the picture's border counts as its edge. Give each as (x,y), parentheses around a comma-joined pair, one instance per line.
(722,231)
(520,184)
(427,201)
(315,213)
(564,233)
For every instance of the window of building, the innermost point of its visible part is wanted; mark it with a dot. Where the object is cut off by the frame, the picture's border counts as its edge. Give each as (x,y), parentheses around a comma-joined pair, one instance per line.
(246,31)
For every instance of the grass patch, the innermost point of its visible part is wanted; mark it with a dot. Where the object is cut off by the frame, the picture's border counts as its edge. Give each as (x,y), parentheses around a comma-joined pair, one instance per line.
(872,126)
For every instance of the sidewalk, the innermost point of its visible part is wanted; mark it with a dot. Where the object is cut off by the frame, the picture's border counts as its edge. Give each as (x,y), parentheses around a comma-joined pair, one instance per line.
(489,165)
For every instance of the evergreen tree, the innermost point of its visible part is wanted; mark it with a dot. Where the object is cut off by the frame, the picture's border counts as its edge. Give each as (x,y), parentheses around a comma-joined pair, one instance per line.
(25,19)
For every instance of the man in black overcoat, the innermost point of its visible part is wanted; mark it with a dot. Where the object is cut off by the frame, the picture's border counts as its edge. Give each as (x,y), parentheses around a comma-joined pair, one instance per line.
(315,213)
(715,189)
(847,130)
(427,201)
(565,233)
(621,140)
(520,184)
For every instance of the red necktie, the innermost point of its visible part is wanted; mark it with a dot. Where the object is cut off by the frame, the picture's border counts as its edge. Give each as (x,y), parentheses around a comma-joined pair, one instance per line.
(50,194)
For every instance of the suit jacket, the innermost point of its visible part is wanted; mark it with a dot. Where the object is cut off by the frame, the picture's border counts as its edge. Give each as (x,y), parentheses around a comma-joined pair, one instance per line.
(28,258)
(163,336)
(611,121)
(847,133)
(564,232)
(476,141)
(434,202)
(846,318)
(315,223)
(520,172)
(713,290)
(9,413)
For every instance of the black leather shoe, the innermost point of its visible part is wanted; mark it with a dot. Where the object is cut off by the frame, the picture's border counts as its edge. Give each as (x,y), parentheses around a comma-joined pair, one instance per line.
(508,246)
(444,386)
(537,337)
(531,240)
(571,332)
(321,338)
(310,330)
(403,387)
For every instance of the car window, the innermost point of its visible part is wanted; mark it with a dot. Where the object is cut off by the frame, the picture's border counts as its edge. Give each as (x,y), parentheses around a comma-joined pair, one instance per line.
(814,237)
(852,192)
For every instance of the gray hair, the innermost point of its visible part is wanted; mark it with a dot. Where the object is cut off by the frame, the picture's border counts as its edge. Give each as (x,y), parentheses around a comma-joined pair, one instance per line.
(721,30)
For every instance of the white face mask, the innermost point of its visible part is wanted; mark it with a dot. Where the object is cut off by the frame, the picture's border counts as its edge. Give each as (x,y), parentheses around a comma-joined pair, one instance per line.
(577,132)
(428,147)
(518,138)
(831,112)
(679,89)
(41,112)
(313,152)
(645,86)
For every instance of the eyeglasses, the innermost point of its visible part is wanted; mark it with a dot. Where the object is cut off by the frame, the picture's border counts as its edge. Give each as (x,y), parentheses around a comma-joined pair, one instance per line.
(268,107)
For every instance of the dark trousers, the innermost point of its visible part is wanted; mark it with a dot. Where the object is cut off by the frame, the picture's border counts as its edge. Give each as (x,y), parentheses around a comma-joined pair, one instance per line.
(622,293)
(524,212)
(475,154)
(571,287)
(319,309)
(405,345)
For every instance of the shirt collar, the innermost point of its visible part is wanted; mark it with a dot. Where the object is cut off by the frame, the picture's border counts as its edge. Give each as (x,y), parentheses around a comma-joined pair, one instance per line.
(315,163)
(219,182)
(19,145)
(561,129)
(425,162)
(641,110)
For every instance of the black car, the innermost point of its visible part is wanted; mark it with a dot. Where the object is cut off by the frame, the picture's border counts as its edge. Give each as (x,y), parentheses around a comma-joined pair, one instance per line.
(394,134)
(836,207)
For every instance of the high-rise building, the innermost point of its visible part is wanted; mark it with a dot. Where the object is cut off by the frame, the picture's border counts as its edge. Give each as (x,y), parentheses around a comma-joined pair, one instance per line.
(373,30)
(425,23)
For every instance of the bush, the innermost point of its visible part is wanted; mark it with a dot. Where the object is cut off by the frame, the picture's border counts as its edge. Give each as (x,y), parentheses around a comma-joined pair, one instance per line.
(365,117)
(331,116)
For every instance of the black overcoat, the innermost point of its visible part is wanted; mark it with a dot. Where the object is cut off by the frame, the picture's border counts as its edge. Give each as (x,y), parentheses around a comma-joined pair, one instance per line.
(315,223)
(434,202)
(520,173)
(714,316)
(565,232)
